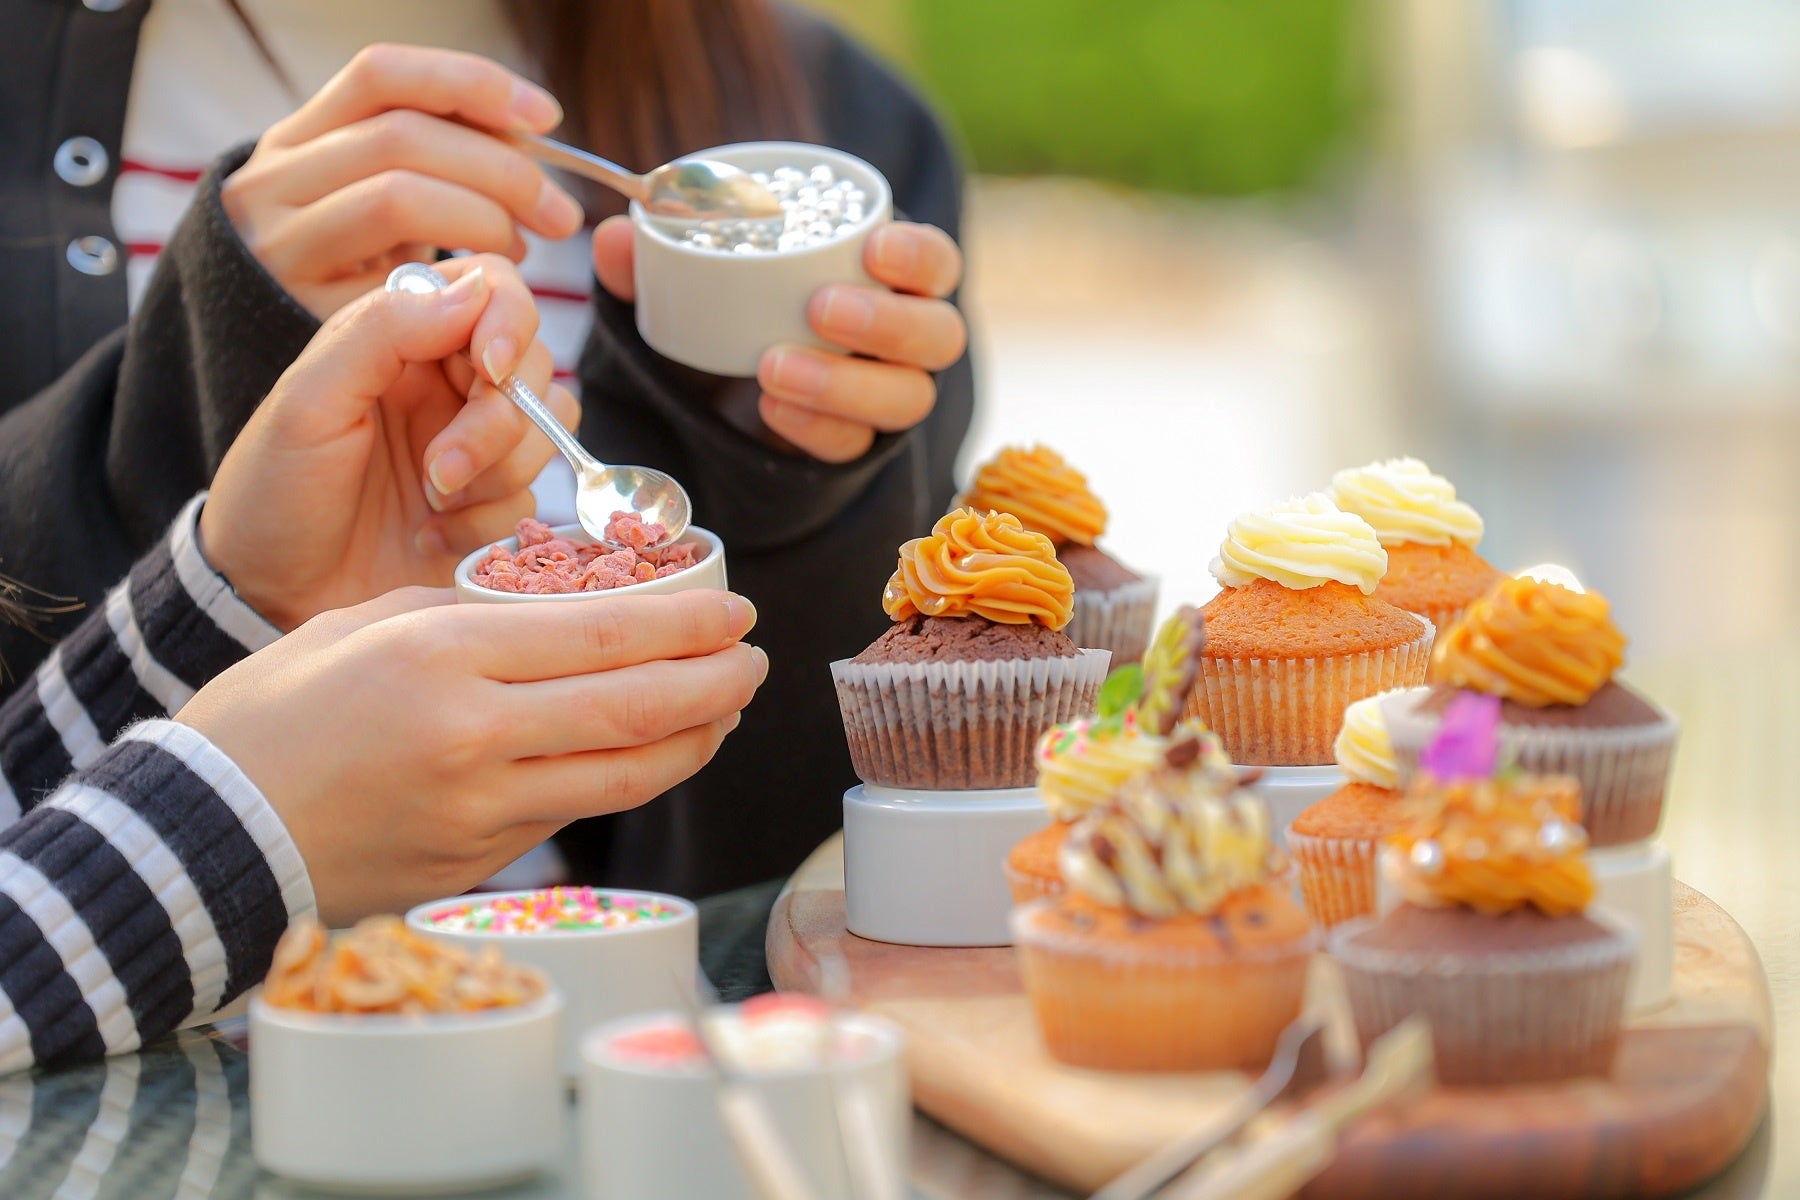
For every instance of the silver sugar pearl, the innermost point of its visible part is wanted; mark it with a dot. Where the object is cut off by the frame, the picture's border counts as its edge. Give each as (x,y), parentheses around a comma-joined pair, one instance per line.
(1427,856)
(1558,836)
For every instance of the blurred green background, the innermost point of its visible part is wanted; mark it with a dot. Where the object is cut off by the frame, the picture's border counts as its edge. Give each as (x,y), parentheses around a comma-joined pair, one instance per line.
(1199,96)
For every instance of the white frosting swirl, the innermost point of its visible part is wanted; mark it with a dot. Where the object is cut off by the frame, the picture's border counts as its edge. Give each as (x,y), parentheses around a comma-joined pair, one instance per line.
(1363,749)
(1405,502)
(1304,543)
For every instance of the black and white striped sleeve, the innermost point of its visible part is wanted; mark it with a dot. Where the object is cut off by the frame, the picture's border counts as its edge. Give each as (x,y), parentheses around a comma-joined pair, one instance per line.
(150,888)
(163,633)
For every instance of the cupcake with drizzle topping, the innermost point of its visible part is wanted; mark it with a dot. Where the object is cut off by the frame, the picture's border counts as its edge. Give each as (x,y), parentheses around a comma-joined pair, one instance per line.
(1491,941)
(1298,634)
(975,665)
(1429,535)
(1137,728)
(1178,946)
(1336,842)
(1550,654)
(1114,605)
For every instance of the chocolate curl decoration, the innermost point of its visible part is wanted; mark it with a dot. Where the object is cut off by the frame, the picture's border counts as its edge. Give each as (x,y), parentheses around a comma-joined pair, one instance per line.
(1467,745)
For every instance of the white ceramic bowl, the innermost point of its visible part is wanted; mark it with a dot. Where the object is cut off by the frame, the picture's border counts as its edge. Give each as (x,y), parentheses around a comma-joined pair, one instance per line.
(653,1129)
(928,868)
(707,572)
(603,974)
(718,311)
(449,1102)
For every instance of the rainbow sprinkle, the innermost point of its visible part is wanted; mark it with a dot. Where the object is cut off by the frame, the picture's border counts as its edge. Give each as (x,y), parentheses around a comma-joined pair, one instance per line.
(557,908)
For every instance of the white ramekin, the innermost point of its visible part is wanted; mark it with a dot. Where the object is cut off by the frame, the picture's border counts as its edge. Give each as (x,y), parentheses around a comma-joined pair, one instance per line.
(708,572)
(718,311)
(440,1102)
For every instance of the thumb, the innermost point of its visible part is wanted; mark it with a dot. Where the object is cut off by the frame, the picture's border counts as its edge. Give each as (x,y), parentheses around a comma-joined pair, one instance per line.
(366,346)
(614,257)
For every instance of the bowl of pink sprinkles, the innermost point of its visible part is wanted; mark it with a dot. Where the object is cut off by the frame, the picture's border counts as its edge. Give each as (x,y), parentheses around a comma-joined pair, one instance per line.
(563,563)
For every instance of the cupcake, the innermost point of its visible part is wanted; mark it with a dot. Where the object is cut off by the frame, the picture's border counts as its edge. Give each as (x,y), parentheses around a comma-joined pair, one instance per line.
(1549,653)
(1114,605)
(1430,537)
(1137,728)
(975,665)
(1490,942)
(1333,843)
(1297,634)
(1178,946)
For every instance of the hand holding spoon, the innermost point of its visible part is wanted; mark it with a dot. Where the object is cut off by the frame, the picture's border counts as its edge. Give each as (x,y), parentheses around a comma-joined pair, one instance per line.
(696,189)
(600,490)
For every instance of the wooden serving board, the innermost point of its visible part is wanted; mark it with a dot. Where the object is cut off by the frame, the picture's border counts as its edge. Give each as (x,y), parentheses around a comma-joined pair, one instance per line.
(1687,1092)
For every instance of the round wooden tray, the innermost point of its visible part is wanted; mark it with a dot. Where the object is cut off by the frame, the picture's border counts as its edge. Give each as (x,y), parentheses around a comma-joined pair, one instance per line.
(1687,1092)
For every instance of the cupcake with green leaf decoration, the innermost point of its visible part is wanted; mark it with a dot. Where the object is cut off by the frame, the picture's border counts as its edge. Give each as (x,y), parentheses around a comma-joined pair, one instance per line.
(1137,728)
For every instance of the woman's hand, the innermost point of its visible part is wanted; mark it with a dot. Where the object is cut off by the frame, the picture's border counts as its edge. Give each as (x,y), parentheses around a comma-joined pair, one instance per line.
(393,159)
(327,497)
(832,405)
(414,746)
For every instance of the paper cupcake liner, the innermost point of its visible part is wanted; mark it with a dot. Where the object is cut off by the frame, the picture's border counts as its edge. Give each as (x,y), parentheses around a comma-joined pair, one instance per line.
(1124,1006)
(953,726)
(1027,886)
(1337,876)
(1120,619)
(1496,1018)
(1623,772)
(1287,711)
(1442,618)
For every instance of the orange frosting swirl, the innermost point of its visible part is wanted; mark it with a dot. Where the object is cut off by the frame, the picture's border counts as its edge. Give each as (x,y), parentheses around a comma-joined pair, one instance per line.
(1531,642)
(1493,845)
(1043,491)
(981,565)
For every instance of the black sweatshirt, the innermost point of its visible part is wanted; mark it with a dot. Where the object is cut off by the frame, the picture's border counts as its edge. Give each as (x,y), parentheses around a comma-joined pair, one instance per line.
(94,466)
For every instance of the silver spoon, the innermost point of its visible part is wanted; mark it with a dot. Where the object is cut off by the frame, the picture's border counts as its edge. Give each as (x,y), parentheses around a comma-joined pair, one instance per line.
(697,189)
(600,490)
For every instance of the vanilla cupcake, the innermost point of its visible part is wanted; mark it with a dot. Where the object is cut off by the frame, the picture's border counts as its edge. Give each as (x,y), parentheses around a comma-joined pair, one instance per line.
(1137,728)
(1114,605)
(1430,536)
(974,667)
(1178,946)
(1297,634)
(1335,843)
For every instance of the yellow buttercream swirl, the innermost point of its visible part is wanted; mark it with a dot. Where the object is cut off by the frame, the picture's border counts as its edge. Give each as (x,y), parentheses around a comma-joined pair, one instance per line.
(1305,543)
(1171,842)
(1405,502)
(1043,491)
(1531,642)
(1363,749)
(1082,764)
(1493,845)
(983,565)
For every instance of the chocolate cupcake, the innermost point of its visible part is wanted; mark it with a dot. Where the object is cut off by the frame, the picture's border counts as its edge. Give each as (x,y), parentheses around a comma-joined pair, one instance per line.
(1548,653)
(1114,605)
(1491,942)
(975,667)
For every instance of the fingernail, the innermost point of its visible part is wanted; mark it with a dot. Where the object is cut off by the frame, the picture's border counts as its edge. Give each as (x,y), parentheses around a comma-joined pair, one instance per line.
(556,208)
(430,540)
(498,360)
(433,497)
(740,615)
(451,471)
(533,107)
(798,373)
(733,721)
(847,309)
(762,664)
(893,253)
(792,416)
(465,289)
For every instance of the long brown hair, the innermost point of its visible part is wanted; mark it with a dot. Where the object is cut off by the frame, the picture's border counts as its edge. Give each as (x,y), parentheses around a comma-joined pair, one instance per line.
(645,81)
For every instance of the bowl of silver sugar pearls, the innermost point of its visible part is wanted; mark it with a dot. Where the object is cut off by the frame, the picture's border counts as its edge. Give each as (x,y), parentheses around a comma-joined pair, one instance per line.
(714,295)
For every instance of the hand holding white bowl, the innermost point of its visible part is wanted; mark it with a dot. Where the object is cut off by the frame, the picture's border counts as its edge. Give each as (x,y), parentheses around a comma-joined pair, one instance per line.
(413,746)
